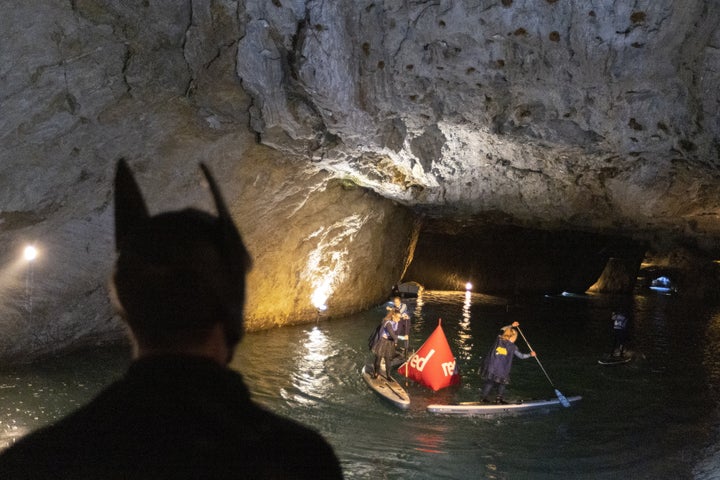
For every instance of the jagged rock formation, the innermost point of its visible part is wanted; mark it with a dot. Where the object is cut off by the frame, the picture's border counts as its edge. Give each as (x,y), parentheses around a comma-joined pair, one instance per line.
(564,119)
(557,114)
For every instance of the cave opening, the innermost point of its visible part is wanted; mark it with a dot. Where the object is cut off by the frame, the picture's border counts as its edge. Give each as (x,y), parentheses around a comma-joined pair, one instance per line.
(512,260)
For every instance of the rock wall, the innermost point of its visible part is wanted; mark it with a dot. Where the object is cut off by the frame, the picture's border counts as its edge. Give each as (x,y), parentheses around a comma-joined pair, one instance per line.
(551,116)
(560,114)
(316,242)
(619,276)
(87,82)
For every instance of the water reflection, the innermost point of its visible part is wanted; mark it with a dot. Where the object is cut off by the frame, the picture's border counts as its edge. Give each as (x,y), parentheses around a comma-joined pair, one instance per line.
(310,380)
(32,396)
(418,321)
(430,441)
(419,305)
(464,336)
(10,431)
(466,306)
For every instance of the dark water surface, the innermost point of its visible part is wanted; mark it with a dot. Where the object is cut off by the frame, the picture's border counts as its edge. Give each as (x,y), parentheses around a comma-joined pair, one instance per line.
(653,418)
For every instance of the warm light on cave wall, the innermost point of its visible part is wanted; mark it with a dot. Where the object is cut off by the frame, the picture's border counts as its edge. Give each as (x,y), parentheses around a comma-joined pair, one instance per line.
(327,264)
(12,273)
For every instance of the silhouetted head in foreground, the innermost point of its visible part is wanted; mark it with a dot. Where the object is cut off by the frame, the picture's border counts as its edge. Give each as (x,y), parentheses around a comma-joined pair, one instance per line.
(180,275)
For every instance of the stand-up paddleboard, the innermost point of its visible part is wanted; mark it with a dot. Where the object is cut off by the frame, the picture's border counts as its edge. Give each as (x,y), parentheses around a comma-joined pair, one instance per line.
(612,360)
(478,408)
(389,390)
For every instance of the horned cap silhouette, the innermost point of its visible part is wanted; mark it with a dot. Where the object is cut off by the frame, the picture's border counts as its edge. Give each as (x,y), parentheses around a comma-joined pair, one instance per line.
(179,270)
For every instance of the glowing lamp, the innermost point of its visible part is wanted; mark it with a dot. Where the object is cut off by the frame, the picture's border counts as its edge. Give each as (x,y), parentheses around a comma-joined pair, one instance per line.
(468,286)
(30,253)
(318,299)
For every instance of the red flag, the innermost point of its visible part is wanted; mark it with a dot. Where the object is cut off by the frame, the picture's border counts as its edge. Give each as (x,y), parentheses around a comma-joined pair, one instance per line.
(433,365)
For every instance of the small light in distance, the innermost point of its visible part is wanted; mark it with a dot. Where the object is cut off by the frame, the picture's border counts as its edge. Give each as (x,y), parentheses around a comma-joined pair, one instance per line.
(468,286)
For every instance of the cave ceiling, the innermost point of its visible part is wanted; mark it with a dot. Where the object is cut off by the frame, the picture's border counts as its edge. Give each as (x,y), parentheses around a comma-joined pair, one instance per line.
(596,116)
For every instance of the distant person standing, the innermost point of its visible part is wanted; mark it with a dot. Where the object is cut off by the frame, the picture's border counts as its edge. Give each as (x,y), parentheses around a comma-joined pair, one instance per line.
(403,330)
(178,412)
(620,333)
(397,303)
(496,366)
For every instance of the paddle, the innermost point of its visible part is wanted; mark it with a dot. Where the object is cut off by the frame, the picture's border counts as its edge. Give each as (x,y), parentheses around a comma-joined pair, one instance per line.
(564,401)
(407,366)
(405,352)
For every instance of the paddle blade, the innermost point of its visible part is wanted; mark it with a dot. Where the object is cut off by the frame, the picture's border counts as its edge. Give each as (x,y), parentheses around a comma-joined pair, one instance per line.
(563,401)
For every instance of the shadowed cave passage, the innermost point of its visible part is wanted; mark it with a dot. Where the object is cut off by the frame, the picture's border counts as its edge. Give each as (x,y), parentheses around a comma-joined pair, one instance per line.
(512,260)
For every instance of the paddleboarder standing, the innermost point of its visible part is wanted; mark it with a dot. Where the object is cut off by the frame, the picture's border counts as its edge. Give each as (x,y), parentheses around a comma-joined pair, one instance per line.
(497,364)
(384,348)
(620,333)
(403,330)
(398,304)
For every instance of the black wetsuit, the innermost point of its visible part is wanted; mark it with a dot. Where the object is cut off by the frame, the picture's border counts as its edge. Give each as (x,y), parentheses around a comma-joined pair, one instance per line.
(385,347)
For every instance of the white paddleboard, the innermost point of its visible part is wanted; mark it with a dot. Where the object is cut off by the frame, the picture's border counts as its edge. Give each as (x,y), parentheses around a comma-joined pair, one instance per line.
(610,360)
(478,408)
(390,391)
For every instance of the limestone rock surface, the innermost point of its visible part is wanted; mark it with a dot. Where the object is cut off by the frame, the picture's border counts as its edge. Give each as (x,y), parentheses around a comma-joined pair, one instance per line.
(600,116)
(340,131)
